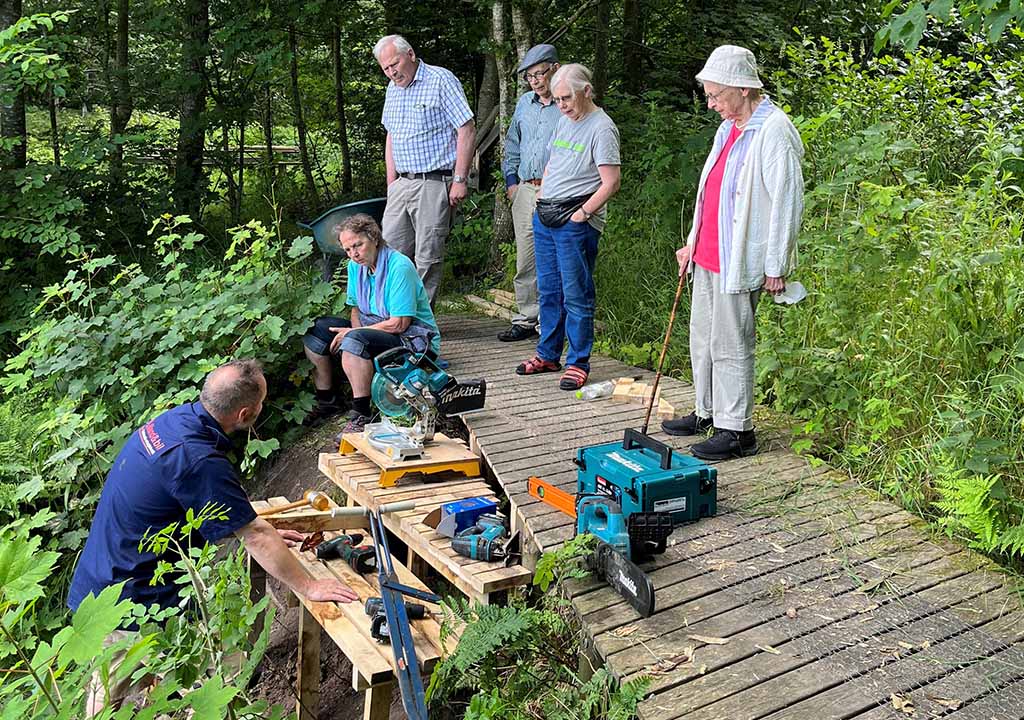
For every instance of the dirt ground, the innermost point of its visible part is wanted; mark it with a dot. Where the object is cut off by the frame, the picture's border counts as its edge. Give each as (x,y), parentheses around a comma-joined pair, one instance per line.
(294,471)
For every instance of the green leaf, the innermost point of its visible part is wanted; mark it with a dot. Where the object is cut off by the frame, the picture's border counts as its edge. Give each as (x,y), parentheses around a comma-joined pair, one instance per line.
(94,619)
(23,568)
(211,700)
(301,247)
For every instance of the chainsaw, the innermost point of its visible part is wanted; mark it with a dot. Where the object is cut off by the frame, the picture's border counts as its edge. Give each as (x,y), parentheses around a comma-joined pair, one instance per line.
(630,496)
(412,385)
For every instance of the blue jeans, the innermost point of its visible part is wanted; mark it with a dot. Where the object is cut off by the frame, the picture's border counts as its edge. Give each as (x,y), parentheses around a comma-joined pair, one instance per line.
(565,259)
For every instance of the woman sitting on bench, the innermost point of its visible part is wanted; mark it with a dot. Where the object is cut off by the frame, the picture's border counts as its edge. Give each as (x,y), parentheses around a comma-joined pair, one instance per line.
(390,309)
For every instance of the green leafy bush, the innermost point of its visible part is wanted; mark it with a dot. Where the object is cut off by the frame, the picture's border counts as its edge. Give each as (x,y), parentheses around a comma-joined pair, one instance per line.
(519,662)
(114,345)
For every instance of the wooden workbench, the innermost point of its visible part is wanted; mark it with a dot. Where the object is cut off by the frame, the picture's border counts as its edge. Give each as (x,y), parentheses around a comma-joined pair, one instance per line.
(349,627)
(359,478)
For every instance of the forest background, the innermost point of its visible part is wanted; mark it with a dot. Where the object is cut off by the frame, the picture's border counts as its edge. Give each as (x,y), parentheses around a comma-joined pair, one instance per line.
(155,158)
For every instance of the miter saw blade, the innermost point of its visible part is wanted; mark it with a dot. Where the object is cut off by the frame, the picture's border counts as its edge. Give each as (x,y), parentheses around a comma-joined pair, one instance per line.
(386,398)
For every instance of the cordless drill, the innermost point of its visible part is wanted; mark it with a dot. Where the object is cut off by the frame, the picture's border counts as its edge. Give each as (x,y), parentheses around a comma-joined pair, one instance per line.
(378,618)
(360,558)
(482,541)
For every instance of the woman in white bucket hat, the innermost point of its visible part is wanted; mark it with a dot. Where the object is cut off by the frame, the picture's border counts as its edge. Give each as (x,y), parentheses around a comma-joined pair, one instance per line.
(742,241)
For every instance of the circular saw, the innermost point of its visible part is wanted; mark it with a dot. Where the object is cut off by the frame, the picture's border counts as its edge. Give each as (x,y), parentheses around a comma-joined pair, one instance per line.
(409,384)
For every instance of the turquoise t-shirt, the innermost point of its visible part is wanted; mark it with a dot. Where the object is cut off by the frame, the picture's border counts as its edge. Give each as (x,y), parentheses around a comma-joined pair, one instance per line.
(404,294)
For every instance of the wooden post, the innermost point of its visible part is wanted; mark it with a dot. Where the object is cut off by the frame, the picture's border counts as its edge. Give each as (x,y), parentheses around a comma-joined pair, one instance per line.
(257,589)
(308,679)
(378,702)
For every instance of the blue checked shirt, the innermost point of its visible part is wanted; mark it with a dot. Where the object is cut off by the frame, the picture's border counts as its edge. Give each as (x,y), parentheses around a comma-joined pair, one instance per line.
(422,120)
(528,141)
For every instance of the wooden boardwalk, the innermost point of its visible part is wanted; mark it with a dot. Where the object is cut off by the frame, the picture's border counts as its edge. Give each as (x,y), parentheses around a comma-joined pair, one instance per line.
(805,597)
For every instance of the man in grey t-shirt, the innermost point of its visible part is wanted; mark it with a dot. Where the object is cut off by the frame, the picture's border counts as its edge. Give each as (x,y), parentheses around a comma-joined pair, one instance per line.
(584,165)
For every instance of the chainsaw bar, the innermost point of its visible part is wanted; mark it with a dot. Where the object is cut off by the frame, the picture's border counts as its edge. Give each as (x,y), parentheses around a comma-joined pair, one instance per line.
(627,579)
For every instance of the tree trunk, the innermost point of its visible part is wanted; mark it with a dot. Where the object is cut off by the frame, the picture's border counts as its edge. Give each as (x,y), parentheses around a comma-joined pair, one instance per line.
(226,164)
(189,179)
(241,166)
(121,107)
(12,112)
(523,39)
(500,37)
(54,130)
(503,230)
(633,45)
(300,124)
(268,133)
(487,96)
(339,101)
(602,21)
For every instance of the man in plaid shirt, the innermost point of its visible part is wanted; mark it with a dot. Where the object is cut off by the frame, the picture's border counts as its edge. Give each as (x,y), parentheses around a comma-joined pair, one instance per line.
(428,152)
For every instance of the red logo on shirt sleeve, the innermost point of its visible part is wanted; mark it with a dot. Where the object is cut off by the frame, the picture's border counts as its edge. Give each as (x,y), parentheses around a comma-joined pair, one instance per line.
(151,440)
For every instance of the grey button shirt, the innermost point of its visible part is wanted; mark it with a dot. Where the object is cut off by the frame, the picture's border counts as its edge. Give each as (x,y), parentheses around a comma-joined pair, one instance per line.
(528,141)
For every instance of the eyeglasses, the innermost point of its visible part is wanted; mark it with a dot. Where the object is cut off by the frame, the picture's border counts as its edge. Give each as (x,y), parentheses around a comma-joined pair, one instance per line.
(539,75)
(560,99)
(713,97)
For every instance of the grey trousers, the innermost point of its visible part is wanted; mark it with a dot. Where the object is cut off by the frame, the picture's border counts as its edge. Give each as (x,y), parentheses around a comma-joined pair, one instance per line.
(523,204)
(416,222)
(722,337)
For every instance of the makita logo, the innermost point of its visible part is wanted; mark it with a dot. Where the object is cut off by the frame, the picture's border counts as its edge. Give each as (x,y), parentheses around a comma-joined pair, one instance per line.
(627,582)
(461,391)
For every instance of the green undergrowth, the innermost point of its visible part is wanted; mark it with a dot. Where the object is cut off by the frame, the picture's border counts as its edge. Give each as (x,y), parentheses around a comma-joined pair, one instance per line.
(524,660)
(905,365)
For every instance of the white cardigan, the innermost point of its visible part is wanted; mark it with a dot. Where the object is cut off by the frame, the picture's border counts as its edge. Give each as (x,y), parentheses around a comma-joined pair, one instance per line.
(768,207)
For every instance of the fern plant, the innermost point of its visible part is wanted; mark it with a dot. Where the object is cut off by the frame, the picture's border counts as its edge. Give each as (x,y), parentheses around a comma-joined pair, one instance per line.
(519,662)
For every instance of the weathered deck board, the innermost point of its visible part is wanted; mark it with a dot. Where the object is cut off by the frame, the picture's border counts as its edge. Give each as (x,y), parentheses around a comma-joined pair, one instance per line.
(831,601)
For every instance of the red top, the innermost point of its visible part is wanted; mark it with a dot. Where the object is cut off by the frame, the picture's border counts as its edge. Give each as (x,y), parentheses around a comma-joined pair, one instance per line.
(706,254)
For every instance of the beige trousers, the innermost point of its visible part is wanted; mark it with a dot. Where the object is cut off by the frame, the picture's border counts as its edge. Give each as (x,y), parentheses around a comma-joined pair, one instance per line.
(416,222)
(722,338)
(96,698)
(525,284)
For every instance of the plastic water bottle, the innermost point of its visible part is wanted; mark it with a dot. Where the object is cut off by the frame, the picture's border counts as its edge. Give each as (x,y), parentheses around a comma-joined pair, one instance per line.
(596,391)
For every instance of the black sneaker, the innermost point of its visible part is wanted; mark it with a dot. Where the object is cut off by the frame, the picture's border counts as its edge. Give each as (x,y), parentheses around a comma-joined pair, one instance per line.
(692,424)
(517,333)
(725,444)
(322,412)
(356,423)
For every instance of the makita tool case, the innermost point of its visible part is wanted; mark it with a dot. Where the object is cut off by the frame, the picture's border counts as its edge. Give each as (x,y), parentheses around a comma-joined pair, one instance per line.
(644,475)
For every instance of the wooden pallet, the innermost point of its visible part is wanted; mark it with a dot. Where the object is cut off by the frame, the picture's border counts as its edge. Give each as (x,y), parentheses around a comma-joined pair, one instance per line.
(348,626)
(479,581)
(442,454)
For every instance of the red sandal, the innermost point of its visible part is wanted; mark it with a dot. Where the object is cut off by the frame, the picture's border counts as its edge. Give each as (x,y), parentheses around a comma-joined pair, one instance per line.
(536,365)
(573,378)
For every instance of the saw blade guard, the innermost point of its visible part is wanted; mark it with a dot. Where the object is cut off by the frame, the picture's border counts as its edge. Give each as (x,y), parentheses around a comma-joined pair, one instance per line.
(384,394)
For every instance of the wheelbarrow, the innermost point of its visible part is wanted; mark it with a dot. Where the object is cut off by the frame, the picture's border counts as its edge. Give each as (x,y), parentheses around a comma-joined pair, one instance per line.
(325,230)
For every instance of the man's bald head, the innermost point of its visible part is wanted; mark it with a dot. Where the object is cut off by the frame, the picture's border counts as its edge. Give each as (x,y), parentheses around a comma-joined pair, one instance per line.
(234,394)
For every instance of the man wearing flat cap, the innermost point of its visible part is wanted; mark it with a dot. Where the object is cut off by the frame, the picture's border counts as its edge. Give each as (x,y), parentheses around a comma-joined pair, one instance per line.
(527,147)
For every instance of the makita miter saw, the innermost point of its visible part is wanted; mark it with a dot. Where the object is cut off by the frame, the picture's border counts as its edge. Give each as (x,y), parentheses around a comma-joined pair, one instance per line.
(412,385)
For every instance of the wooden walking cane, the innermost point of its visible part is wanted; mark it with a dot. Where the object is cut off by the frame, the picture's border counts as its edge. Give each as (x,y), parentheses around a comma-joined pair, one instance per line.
(664,349)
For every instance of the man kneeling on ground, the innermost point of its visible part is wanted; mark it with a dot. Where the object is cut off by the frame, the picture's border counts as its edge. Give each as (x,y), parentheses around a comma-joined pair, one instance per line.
(390,309)
(171,465)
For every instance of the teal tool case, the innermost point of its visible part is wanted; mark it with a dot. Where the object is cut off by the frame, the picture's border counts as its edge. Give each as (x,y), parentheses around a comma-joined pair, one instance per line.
(643,475)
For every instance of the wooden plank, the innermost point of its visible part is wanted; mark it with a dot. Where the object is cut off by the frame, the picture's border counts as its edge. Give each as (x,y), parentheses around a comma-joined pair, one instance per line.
(377,702)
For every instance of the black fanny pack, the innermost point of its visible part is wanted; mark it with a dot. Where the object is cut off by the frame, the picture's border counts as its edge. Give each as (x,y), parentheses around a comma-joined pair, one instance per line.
(555,213)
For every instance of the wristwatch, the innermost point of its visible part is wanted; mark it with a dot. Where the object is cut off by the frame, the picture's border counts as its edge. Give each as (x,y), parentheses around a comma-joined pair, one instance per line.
(459,178)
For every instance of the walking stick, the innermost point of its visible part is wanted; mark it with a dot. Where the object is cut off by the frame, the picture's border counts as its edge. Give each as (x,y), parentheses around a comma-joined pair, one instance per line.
(664,349)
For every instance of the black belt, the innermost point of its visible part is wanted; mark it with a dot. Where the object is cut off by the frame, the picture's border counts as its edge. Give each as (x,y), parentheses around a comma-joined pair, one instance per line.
(432,175)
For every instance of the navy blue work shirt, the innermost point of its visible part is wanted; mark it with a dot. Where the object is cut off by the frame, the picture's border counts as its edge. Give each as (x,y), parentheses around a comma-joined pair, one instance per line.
(172,463)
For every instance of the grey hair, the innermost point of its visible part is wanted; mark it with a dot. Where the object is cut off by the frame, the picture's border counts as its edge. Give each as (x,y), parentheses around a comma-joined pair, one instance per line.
(576,76)
(363,225)
(225,392)
(400,44)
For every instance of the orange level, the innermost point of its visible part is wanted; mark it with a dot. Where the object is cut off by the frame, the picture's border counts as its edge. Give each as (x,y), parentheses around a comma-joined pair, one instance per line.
(548,493)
